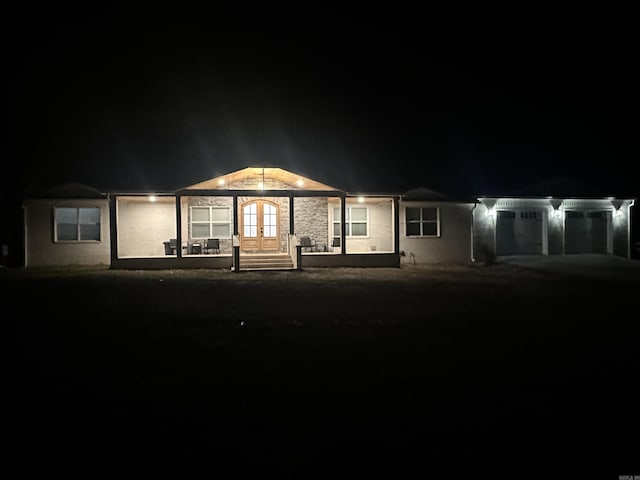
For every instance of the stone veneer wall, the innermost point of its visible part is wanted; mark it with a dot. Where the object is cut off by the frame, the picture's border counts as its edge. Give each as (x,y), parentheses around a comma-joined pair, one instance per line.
(312,219)
(252,184)
(225,243)
(311,213)
(282,202)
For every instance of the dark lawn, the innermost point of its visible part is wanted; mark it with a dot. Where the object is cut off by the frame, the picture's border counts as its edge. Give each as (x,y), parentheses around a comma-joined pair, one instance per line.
(458,372)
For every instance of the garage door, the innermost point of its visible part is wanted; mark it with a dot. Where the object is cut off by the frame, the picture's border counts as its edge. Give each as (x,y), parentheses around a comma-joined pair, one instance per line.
(586,232)
(519,232)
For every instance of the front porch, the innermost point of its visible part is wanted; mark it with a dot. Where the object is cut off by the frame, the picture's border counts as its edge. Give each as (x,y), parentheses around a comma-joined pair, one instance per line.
(218,224)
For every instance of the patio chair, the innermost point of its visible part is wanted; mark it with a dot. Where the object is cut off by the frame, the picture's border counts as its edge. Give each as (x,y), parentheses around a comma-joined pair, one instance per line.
(171,246)
(305,242)
(212,244)
(194,247)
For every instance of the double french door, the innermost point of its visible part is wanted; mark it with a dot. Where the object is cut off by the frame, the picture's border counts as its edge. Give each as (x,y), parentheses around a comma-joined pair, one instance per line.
(259,226)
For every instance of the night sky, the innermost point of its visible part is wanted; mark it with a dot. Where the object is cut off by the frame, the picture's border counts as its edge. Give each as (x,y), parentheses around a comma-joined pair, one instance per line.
(464,100)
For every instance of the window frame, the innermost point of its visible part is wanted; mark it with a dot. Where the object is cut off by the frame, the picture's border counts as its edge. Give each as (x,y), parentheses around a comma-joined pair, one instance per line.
(210,222)
(78,224)
(349,222)
(421,221)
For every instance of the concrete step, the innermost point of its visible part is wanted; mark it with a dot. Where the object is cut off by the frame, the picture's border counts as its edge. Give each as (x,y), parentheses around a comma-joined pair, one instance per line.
(266,262)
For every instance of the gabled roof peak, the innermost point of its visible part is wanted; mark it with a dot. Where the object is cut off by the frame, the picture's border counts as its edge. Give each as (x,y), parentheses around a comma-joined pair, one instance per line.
(559,186)
(261,178)
(70,190)
(423,193)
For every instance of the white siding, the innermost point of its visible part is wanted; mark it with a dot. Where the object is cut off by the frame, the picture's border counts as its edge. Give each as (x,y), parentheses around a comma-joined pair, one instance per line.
(379,236)
(40,248)
(453,245)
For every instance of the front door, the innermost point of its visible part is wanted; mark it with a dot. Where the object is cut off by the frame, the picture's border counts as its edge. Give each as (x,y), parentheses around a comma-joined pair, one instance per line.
(259,229)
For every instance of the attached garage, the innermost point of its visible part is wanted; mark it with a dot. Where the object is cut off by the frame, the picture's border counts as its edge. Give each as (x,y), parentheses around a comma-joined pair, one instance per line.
(520,232)
(587,231)
(553,217)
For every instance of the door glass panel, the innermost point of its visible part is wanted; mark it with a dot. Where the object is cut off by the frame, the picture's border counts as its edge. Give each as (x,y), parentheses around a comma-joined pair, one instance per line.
(250,220)
(269,218)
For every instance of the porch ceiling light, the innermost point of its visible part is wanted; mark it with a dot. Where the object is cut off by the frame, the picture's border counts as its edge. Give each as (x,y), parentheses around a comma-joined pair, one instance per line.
(152,198)
(360,199)
(221,181)
(300,183)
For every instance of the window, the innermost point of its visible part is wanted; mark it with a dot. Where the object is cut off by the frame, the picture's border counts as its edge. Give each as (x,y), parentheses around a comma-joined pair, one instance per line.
(356,223)
(210,222)
(422,222)
(77,224)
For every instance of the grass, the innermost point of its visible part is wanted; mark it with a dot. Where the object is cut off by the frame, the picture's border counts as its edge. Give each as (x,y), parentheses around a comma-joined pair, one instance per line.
(444,372)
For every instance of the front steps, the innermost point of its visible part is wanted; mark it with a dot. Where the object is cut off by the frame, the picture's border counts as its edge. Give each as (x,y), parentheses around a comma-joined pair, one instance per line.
(269,261)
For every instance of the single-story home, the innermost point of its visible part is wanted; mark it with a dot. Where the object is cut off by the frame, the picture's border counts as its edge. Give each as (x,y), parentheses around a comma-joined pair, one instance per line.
(271,218)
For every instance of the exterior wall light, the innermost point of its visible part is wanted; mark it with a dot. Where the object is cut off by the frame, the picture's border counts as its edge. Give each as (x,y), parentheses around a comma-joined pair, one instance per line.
(555,204)
(617,207)
(360,199)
